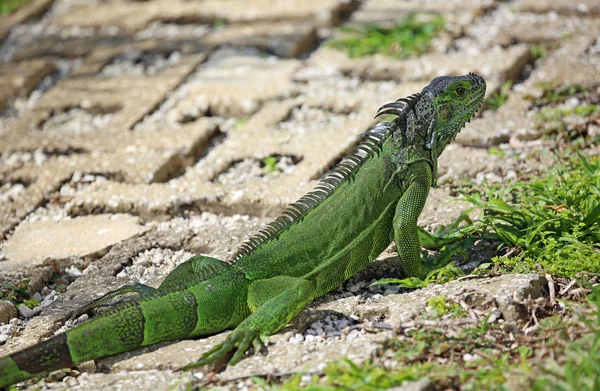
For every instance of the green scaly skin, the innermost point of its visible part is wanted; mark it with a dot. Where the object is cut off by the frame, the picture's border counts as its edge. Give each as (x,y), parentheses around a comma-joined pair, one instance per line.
(374,196)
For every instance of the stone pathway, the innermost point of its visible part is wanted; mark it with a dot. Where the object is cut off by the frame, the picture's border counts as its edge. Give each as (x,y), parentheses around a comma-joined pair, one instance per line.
(134,134)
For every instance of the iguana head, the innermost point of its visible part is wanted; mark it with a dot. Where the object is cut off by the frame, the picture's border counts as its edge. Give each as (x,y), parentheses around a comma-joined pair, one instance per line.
(455,101)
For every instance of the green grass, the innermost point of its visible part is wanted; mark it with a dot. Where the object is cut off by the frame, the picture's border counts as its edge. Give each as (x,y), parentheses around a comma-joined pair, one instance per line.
(539,51)
(411,37)
(10,6)
(444,274)
(499,98)
(31,303)
(270,164)
(554,94)
(558,124)
(579,368)
(555,113)
(550,224)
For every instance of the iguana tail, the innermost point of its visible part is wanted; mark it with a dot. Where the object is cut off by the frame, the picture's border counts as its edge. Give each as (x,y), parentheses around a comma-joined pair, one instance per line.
(162,317)
(112,333)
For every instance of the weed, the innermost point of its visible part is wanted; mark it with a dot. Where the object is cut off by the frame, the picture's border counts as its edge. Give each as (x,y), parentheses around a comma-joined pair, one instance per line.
(553,94)
(555,113)
(31,303)
(10,6)
(238,123)
(539,51)
(270,164)
(551,223)
(580,368)
(15,292)
(496,151)
(411,37)
(440,275)
(560,124)
(439,306)
(499,98)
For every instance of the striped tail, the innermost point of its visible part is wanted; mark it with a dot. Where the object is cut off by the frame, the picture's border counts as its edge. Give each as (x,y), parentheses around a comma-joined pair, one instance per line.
(151,320)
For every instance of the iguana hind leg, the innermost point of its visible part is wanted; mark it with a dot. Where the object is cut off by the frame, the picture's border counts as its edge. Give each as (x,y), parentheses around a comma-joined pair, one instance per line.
(134,288)
(273,302)
(196,269)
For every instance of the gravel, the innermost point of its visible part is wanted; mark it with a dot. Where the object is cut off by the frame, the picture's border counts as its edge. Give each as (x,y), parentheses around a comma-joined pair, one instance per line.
(151,266)
(172,31)
(138,63)
(75,121)
(253,169)
(167,116)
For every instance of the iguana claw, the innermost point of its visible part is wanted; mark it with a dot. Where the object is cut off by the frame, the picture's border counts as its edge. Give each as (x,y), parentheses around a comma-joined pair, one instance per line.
(240,340)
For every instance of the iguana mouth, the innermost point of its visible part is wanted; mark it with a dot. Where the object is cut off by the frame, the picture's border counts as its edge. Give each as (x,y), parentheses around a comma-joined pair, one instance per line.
(480,99)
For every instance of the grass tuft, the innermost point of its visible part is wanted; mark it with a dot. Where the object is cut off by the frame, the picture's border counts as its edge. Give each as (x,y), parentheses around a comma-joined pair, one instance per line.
(499,98)
(9,6)
(551,223)
(411,37)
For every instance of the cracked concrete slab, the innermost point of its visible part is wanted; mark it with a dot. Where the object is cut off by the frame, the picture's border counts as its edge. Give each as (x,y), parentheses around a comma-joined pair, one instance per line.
(133,163)
(83,237)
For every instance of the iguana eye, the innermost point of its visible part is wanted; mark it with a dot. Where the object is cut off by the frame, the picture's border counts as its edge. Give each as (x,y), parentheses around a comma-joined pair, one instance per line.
(460,90)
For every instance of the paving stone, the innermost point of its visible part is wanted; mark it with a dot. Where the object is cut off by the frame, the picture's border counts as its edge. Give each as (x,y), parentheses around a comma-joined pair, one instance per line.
(31,10)
(458,163)
(123,100)
(495,128)
(54,45)
(81,237)
(132,16)
(577,61)
(138,380)
(18,80)
(237,86)
(543,28)
(579,7)
(138,164)
(387,13)
(282,39)
(143,58)
(495,64)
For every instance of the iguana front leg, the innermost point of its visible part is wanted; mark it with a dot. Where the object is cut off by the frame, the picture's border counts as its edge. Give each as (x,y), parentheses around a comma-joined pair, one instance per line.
(196,269)
(408,210)
(273,302)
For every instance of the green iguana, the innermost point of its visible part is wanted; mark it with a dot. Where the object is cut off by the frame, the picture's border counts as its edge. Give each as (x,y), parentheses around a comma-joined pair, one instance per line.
(374,196)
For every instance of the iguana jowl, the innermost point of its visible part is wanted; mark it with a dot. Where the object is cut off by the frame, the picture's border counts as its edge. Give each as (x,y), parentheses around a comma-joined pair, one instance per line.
(372,197)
